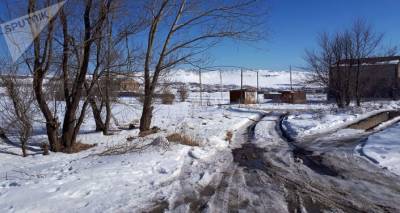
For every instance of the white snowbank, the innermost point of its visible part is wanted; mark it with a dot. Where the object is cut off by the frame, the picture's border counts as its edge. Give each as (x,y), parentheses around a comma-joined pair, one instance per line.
(384,147)
(302,124)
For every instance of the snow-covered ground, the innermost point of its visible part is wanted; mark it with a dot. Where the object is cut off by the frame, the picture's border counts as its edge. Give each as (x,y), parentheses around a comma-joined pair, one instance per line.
(384,148)
(267,78)
(90,182)
(328,118)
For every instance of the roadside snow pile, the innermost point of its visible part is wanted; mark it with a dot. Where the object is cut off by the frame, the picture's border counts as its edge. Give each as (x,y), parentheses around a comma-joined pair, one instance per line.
(322,121)
(384,148)
(138,179)
(301,125)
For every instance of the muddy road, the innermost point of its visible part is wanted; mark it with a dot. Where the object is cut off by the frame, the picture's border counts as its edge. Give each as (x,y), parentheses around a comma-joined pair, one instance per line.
(272,174)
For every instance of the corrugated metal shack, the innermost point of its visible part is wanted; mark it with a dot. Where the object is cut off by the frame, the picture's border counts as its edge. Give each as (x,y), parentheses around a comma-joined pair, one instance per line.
(274,96)
(293,97)
(243,96)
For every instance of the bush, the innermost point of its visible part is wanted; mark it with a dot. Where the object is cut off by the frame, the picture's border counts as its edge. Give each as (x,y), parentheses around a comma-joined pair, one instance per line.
(167,97)
(229,136)
(183,93)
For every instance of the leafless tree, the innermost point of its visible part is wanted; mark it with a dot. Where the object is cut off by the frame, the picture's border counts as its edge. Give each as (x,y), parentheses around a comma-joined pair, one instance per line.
(183,92)
(74,69)
(365,41)
(18,109)
(321,62)
(111,61)
(337,63)
(180,30)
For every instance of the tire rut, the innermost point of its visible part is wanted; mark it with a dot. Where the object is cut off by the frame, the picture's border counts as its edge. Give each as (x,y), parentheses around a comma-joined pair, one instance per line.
(289,178)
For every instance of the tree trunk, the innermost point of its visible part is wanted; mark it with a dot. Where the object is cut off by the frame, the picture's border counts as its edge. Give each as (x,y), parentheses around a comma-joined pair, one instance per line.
(147,113)
(23,147)
(96,115)
(347,91)
(68,139)
(51,122)
(108,118)
(358,97)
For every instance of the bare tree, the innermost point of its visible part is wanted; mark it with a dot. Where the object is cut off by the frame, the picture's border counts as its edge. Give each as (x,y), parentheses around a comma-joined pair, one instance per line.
(324,65)
(18,105)
(180,30)
(365,41)
(337,64)
(74,70)
(111,61)
(183,92)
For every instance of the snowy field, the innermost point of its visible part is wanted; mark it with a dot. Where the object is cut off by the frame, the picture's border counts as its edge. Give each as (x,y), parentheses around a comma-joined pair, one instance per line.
(267,78)
(84,181)
(152,171)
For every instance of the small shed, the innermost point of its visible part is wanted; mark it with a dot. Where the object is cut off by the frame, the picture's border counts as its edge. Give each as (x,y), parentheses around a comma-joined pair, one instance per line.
(293,97)
(274,96)
(243,96)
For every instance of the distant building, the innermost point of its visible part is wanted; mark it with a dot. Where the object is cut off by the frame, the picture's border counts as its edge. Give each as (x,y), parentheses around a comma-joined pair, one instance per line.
(130,85)
(287,96)
(379,77)
(293,97)
(243,96)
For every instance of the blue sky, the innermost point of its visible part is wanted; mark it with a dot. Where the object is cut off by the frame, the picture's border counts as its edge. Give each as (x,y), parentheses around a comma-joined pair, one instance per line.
(294,25)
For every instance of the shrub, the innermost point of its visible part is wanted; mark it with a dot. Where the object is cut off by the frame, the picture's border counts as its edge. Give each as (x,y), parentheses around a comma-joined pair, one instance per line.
(183,93)
(229,136)
(167,97)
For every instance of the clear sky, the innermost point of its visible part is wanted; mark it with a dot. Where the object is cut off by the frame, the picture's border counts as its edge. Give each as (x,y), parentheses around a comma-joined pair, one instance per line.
(294,25)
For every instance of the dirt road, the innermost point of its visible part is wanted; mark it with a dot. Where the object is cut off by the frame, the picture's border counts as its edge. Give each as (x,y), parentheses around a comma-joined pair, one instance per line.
(271,174)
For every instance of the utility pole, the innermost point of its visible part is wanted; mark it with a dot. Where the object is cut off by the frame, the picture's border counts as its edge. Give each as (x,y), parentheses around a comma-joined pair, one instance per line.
(201,89)
(257,87)
(220,85)
(241,86)
(291,83)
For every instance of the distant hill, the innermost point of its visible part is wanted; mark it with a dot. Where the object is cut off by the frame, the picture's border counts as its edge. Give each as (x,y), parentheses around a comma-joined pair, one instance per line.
(267,78)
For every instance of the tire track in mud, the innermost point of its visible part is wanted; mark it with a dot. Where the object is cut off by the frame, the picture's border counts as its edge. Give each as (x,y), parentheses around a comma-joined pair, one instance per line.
(290,178)
(312,195)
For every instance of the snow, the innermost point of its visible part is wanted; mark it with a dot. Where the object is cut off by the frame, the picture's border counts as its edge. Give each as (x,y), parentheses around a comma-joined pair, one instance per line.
(135,181)
(315,121)
(90,182)
(384,148)
(267,78)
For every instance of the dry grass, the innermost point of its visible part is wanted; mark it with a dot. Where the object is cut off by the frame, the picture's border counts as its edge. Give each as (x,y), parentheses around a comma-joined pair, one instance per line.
(78,147)
(182,139)
(127,147)
(151,131)
(229,136)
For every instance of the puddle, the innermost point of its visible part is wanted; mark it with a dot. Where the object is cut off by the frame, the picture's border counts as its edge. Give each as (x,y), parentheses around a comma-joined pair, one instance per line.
(314,162)
(249,155)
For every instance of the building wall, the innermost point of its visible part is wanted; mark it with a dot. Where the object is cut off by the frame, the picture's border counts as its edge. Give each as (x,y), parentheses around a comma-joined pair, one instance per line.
(242,97)
(376,81)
